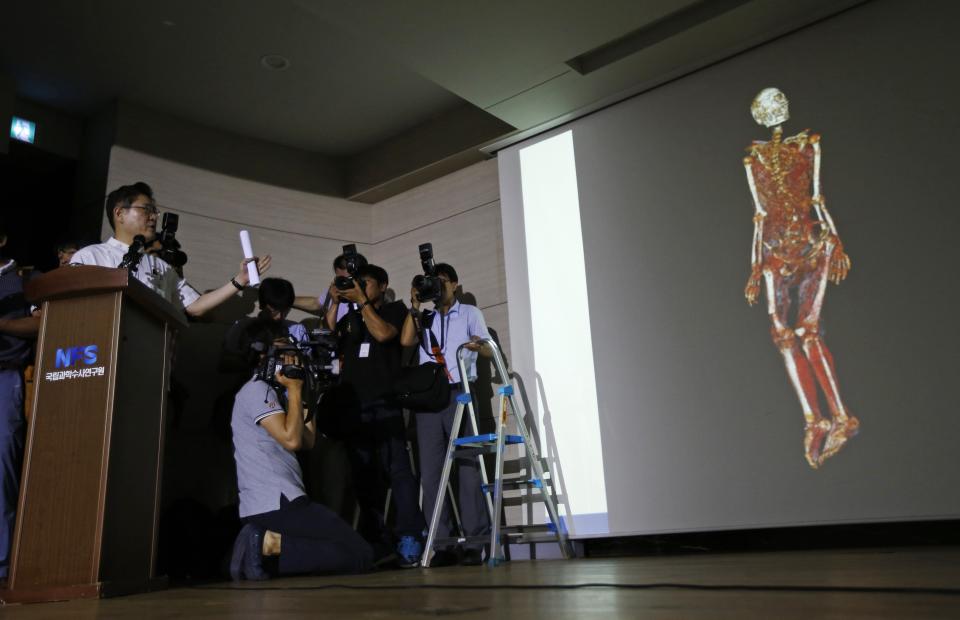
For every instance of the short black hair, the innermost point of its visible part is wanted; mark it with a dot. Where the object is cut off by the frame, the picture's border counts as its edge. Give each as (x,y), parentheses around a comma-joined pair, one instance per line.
(124,196)
(276,293)
(72,244)
(445,269)
(373,271)
(340,262)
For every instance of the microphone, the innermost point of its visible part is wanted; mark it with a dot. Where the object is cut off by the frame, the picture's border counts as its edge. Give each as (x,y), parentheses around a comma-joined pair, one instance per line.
(131,260)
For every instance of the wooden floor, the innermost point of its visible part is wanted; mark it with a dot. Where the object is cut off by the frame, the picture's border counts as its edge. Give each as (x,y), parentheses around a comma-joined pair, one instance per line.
(876,583)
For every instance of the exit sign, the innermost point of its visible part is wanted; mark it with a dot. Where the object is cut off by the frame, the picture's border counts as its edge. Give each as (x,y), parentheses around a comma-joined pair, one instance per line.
(23,130)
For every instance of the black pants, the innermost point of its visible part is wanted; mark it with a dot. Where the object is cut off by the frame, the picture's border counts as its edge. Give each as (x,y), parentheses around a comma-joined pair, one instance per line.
(377,445)
(433,433)
(314,539)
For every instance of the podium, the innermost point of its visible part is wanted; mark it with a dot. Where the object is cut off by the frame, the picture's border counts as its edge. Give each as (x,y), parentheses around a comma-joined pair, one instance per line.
(90,489)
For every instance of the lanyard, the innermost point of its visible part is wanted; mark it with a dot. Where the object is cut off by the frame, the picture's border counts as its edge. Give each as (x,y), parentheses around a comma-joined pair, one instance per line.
(437,349)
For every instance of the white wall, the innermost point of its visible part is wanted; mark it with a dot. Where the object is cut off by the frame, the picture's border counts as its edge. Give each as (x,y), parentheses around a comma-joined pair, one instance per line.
(303,232)
(460,215)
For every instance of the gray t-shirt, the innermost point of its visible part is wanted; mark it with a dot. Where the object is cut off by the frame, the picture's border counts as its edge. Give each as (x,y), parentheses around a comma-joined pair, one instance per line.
(265,469)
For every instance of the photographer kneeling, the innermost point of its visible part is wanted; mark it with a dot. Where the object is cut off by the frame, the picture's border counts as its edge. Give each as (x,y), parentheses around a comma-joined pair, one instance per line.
(280,521)
(439,335)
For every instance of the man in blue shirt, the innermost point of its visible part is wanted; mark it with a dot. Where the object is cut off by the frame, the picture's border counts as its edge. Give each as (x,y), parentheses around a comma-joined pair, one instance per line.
(18,329)
(453,324)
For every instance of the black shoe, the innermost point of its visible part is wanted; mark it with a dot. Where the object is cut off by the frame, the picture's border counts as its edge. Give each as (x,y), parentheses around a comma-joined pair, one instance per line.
(247,561)
(471,557)
(443,557)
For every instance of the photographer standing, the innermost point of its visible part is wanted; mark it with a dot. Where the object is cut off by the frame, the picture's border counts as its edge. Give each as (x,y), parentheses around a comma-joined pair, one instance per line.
(443,331)
(372,428)
(322,304)
(280,521)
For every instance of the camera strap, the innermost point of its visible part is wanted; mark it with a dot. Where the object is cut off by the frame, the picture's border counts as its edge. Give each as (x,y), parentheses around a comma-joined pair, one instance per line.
(327,300)
(437,349)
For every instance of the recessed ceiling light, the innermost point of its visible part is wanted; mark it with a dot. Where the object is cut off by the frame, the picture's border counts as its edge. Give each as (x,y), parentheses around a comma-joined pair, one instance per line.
(274,62)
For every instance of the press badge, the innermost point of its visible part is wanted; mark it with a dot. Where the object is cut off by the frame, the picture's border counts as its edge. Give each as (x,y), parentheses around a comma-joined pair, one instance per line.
(364,349)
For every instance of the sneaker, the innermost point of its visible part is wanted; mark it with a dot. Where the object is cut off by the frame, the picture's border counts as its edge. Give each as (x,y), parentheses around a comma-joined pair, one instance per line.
(246,562)
(409,549)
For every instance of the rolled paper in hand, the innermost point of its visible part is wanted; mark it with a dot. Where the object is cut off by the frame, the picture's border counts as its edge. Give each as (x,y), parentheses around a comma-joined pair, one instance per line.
(248,253)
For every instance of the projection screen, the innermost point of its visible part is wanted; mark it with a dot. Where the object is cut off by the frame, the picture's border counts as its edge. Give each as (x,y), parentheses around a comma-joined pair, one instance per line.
(666,403)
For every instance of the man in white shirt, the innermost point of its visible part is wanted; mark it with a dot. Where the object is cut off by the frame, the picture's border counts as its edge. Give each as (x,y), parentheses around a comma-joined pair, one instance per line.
(132,211)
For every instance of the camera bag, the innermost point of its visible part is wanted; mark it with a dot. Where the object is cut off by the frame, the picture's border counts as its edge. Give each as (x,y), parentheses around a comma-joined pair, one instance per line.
(422,388)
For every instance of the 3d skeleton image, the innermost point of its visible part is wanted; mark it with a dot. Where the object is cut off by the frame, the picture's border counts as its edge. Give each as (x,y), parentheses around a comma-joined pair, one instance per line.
(795,251)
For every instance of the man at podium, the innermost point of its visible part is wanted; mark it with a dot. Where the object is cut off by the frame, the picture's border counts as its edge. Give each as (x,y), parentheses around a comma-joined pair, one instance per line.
(132,212)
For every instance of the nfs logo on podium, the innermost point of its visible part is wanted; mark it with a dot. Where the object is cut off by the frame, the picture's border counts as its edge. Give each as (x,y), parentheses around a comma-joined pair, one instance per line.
(74,355)
(76,363)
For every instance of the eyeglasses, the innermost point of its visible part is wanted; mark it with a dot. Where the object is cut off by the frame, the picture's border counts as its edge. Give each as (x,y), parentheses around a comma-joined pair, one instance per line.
(149,209)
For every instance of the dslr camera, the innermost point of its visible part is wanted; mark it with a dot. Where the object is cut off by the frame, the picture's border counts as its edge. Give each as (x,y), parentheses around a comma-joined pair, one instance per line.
(428,286)
(352,260)
(169,246)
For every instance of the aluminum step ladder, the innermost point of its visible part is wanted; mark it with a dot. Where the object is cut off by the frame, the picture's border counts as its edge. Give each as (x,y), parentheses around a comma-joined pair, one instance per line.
(500,536)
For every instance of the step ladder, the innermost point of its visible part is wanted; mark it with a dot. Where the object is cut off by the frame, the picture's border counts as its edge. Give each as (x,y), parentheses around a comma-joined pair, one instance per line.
(500,536)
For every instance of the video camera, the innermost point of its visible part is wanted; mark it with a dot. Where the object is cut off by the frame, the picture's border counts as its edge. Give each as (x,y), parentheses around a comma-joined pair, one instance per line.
(273,364)
(353,263)
(428,286)
(322,365)
(315,365)
(169,246)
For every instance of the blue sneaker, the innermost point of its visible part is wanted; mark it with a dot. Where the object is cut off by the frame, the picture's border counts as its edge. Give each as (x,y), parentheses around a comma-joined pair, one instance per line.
(409,549)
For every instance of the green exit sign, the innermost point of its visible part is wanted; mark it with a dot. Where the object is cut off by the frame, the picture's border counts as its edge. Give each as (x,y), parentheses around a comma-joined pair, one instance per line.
(23,130)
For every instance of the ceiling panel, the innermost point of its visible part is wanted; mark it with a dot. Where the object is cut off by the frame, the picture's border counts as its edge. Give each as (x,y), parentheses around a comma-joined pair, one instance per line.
(372,83)
(201,61)
(488,51)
